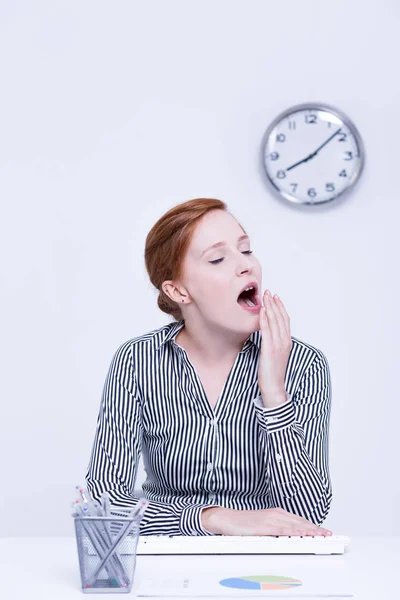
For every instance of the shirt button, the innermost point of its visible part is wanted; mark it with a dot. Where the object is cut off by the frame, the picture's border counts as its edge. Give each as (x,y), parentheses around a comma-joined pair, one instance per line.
(278,457)
(211,497)
(209,467)
(212,422)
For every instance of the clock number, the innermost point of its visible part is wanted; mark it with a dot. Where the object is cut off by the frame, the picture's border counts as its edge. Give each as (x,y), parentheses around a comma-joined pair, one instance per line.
(281,174)
(294,186)
(292,124)
(311,118)
(330,187)
(280,137)
(343,173)
(343,138)
(311,192)
(274,156)
(349,154)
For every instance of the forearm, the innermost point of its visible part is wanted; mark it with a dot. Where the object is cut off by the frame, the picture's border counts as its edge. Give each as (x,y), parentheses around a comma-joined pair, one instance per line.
(174,518)
(212,518)
(273,398)
(295,482)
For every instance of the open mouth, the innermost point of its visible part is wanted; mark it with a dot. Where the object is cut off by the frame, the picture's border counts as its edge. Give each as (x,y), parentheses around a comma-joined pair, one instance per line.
(249,297)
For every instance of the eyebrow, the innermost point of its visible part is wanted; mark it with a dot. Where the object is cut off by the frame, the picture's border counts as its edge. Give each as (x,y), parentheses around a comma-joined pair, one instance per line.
(218,244)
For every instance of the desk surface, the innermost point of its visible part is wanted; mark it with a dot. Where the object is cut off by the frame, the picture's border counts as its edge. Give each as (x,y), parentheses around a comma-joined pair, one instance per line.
(47,569)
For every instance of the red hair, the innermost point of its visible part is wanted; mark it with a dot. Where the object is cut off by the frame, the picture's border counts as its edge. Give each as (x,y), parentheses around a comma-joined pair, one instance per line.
(167,242)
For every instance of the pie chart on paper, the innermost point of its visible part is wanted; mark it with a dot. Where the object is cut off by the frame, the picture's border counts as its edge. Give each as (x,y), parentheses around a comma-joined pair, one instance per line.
(261,582)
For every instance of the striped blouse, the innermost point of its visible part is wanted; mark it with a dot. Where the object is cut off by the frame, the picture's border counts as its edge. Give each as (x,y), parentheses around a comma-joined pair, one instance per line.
(236,455)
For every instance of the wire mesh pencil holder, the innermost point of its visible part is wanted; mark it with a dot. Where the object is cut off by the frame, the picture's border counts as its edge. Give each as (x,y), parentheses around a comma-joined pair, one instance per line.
(107,551)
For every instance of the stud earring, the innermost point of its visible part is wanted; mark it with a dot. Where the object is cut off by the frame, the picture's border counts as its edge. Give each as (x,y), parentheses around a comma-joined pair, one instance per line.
(183,301)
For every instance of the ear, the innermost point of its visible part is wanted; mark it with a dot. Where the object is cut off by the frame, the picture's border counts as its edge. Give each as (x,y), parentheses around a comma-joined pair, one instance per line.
(177,294)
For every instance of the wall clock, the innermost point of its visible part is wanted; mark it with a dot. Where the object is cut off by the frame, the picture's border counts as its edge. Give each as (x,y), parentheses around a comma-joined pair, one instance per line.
(312,154)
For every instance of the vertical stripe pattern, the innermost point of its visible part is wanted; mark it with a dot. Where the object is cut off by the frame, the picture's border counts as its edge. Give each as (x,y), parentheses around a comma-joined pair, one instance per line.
(238,455)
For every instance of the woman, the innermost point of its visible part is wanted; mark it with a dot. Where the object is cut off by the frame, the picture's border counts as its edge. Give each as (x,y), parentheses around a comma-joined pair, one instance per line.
(229,411)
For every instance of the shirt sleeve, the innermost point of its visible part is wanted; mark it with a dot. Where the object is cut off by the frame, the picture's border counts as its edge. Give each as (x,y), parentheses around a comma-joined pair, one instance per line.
(297,435)
(116,451)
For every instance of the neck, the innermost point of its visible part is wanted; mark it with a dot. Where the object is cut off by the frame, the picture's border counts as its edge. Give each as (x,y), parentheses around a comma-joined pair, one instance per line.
(210,344)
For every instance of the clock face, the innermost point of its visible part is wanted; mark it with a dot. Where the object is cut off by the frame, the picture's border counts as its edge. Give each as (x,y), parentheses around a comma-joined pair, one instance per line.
(312,154)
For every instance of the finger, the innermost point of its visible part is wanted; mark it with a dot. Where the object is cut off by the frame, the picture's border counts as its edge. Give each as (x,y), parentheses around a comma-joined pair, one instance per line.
(275,320)
(300,524)
(271,319)
(296,521)
(286,523)
(283,311)
(279,318)
(311,529)
(264,325)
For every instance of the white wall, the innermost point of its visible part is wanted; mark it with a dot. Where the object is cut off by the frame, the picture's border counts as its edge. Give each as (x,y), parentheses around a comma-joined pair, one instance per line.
(112,112)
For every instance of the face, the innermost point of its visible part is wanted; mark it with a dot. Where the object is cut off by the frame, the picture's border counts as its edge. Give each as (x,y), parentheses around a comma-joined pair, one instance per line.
(214,276)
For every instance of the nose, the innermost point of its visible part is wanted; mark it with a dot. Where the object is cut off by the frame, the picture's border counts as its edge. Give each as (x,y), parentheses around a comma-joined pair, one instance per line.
(244,264)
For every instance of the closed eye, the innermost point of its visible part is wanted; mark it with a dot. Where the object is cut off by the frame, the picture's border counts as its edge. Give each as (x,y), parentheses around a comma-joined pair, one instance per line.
(218,260)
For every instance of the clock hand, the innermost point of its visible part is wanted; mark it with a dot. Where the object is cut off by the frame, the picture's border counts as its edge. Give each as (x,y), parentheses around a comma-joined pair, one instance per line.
(315,152)
(327,141)
(300,161)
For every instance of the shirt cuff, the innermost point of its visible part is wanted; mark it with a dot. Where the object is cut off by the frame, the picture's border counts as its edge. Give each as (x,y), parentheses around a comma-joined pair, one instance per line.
(190,522)
(277,418)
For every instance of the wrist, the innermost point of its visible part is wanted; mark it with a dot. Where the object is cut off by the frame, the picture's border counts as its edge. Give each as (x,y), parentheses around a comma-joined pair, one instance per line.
(211,519)
(273,398)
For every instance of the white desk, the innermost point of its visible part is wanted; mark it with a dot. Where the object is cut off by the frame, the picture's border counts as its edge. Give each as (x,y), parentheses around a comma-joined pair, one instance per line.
(47,569)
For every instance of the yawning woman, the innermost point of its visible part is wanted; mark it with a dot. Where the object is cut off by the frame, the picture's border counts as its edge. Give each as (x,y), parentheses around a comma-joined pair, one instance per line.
(229,411)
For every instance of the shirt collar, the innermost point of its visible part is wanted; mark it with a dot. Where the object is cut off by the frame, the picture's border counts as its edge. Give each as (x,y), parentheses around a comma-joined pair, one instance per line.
(253,339)
(172,333)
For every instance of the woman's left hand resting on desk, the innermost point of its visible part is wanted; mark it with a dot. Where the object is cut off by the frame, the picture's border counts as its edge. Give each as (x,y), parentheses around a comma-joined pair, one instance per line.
(268,521)
(276,344)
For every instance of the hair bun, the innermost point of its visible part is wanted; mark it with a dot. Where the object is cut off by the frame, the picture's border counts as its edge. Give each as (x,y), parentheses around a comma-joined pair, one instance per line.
(169,306)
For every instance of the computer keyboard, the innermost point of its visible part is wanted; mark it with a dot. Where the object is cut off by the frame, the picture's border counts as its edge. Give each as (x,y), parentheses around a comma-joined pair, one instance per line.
(220,544)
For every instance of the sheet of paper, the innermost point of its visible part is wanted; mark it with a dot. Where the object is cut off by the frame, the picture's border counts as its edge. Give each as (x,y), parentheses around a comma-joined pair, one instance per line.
(293,577)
